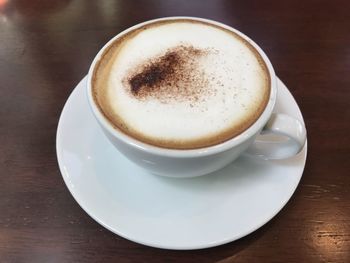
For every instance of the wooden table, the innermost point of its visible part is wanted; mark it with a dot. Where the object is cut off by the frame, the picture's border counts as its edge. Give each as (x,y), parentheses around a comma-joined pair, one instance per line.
(46,48)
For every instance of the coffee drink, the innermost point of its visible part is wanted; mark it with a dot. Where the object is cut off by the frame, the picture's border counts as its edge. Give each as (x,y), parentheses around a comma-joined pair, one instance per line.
(181,84)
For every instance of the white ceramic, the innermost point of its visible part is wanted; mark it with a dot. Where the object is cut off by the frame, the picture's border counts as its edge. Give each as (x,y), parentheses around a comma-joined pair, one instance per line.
(171,213)
(191,163)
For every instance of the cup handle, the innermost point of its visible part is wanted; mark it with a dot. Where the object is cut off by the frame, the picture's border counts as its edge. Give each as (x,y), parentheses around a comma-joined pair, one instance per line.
(282,137)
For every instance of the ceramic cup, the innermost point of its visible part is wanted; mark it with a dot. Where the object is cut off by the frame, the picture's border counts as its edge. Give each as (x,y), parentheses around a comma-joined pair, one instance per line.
(196,162)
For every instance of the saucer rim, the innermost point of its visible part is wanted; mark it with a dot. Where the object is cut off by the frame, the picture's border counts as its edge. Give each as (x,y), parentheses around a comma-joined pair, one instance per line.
(155,244)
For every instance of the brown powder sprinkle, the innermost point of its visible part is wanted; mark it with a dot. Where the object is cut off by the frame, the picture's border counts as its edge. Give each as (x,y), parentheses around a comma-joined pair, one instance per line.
(154,73)
(175,75)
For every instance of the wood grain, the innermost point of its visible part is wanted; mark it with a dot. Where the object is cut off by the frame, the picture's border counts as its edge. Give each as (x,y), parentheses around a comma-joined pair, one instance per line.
(46,48)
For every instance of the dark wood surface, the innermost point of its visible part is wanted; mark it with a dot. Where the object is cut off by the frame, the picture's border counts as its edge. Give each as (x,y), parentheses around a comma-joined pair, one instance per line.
(45,50)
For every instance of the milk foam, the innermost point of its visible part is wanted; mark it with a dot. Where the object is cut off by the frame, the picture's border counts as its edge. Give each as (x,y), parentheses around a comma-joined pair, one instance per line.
(234,87)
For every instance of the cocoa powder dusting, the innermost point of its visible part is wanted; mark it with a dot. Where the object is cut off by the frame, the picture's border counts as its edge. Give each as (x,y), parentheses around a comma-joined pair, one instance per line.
(176,75)
(154,73)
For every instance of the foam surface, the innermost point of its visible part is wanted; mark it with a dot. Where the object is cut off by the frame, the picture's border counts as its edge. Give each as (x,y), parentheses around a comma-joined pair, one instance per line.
(182,85)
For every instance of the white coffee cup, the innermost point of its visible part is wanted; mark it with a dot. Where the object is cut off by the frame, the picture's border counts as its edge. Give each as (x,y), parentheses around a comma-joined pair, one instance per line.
(196,162)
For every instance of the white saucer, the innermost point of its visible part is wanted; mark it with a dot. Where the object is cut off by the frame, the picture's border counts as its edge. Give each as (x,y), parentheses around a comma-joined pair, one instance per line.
(164,212)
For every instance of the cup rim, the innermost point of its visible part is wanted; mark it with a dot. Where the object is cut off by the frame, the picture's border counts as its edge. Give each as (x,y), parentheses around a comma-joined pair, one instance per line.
(185,153)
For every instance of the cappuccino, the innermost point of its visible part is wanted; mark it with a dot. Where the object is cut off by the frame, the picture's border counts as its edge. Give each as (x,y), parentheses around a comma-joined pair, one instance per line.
(181,84)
